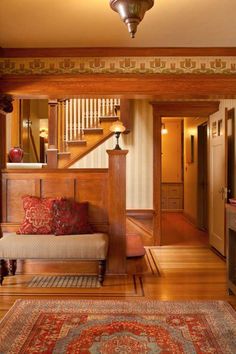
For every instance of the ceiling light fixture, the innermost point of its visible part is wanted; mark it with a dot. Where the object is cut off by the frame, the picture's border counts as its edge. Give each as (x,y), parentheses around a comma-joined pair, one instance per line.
(131,12)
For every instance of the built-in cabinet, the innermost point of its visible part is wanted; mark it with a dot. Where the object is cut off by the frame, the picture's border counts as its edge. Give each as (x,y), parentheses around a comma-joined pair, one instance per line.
(172,165)
(172,196)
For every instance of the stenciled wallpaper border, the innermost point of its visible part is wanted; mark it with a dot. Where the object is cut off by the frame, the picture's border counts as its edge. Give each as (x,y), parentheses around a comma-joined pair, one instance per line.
(118,65)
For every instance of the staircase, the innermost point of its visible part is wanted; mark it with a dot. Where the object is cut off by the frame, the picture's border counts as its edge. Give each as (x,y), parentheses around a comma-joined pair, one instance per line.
(83,124)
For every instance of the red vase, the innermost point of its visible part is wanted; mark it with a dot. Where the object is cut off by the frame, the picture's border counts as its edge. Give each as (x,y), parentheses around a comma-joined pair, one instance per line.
(16,154)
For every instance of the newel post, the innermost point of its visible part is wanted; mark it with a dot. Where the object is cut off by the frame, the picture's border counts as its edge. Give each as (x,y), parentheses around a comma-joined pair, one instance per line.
(116,263)
(52,152)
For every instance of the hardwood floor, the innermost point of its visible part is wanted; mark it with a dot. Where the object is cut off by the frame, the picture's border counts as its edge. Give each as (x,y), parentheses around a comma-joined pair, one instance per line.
(165,273)
(184,269)
(178,230)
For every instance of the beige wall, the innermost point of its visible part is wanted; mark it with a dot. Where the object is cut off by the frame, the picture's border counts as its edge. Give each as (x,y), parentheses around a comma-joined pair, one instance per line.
(190,169)
(139,159)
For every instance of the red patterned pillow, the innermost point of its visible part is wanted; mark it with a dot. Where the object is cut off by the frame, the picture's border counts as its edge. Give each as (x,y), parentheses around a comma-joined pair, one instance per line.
(38,216)
(70,218)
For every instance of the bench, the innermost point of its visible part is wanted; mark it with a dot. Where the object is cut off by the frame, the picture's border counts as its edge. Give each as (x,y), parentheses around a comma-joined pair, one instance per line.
(50,247)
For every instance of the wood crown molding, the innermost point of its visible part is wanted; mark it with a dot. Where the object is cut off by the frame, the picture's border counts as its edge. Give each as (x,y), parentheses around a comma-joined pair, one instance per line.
(186,108)
(116,51)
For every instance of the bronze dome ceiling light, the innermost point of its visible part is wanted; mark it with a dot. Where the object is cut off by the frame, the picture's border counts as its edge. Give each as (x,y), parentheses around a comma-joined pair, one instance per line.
(131,12)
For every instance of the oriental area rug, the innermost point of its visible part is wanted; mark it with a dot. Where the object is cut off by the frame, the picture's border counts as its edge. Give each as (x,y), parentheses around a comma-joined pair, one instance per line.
(107,327)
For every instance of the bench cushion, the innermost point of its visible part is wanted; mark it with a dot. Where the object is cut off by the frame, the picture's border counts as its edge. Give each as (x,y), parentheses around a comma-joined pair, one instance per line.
(86,246)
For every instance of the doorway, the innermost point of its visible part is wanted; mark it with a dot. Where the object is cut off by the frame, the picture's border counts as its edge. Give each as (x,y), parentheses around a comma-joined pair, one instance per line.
(181,159)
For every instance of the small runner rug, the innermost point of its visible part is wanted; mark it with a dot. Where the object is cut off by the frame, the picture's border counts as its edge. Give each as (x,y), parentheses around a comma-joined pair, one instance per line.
(107,326)
(64,281)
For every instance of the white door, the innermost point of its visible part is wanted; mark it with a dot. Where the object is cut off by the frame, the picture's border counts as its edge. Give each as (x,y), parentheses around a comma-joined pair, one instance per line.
(217,183)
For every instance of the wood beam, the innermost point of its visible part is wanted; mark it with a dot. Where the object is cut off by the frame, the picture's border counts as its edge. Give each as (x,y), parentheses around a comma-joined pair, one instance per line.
(157,86)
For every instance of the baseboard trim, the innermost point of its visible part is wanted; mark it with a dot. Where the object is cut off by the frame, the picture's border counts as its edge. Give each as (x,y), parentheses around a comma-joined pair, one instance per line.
(172,210)
(141,213)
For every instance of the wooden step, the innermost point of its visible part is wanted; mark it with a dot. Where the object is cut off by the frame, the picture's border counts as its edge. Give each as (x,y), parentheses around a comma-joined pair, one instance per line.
(108,119)
(93,131)
(64,154)
(76,142)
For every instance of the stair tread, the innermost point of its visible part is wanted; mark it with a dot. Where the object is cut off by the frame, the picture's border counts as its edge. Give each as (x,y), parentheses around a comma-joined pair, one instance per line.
(109,116)
(93,130)
(64,153)
(108,119)
(82,142)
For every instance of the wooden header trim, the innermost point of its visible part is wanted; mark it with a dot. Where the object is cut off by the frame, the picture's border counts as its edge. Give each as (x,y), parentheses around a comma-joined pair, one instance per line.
(116,52)
(61,171)
(186,109)
(160,87)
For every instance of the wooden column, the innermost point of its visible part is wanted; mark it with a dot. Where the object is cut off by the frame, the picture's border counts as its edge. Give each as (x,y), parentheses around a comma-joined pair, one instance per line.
(52,152)
(117,212)
(126,115)
(2,140)
(156,175)
(5,107)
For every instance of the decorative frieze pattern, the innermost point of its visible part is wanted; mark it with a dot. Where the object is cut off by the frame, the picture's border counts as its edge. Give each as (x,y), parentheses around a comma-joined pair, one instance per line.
(118,65)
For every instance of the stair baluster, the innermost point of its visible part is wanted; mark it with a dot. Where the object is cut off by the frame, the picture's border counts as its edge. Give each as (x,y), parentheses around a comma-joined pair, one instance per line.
(80,117)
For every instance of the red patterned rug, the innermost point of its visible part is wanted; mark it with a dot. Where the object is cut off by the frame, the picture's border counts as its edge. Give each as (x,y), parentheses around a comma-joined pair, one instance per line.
(107,327)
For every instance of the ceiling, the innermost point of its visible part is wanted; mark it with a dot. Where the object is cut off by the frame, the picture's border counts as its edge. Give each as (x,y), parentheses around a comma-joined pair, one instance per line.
(91,23)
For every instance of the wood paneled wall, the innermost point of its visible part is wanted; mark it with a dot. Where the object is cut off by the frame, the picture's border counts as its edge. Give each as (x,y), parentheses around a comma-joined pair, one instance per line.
(80,185)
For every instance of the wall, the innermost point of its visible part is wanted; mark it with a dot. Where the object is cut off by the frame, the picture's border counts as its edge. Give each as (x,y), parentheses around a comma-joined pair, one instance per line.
(190,169)
(139,159)
(172,151)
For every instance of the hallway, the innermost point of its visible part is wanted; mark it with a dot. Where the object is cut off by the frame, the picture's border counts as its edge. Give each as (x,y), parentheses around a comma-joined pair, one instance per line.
(177,230)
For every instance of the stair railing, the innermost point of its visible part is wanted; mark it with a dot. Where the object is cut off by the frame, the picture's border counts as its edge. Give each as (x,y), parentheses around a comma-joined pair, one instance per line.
(76,115)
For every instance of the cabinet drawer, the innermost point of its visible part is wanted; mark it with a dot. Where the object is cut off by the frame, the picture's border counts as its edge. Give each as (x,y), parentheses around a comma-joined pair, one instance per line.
(164,204)
(175,190)
(164,190)
(174,203)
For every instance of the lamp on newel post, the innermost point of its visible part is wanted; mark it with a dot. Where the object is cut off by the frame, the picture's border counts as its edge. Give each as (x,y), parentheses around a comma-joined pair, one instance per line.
(117,128)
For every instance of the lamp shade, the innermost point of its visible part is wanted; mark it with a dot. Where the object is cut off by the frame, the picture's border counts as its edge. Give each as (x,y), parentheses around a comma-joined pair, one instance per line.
(117,127)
